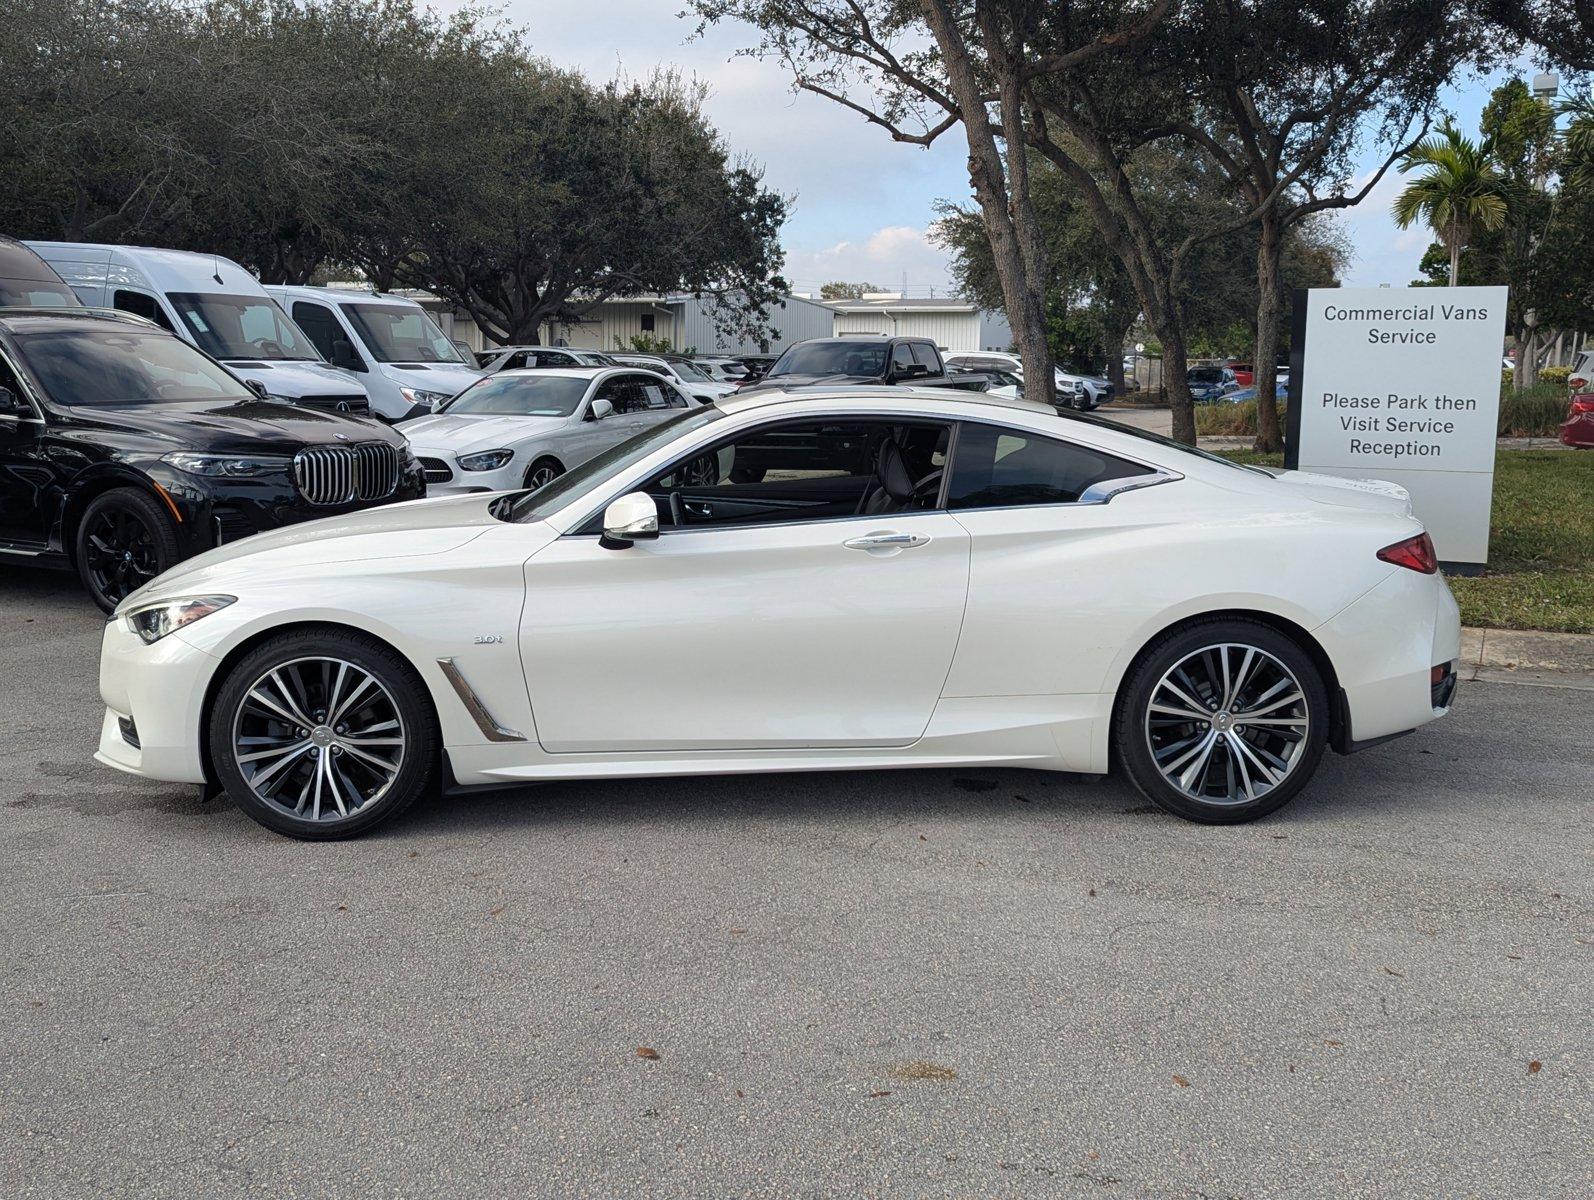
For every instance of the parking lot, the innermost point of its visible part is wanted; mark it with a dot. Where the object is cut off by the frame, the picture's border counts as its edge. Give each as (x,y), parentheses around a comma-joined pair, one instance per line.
(940,982)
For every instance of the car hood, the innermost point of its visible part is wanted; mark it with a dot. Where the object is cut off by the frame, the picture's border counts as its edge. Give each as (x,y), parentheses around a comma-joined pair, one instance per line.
(1373,495)
(1093,380)
(417,528)
(462,433)
(774,381)
(252,426)
(448,378)
(292,380)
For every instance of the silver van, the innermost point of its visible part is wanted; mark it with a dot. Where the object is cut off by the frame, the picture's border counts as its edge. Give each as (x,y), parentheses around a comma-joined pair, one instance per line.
(213,303)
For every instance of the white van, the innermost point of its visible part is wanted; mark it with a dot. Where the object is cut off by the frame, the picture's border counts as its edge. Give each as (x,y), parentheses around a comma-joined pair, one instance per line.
(216,305)
(408,365)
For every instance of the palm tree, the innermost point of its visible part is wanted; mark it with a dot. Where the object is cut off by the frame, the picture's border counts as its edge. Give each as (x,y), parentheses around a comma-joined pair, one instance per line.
(1459,190)
(1578,170)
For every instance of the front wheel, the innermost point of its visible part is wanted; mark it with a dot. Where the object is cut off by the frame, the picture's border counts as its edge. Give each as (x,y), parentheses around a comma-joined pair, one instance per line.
(124,540)
(323,734)
(1222,722)
(544,470)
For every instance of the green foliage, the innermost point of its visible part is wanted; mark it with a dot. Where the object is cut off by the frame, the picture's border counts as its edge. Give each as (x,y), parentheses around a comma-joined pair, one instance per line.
(377,135)
(648,343)
(1555,375)
(840,289)
(1536,412)
(1460,189)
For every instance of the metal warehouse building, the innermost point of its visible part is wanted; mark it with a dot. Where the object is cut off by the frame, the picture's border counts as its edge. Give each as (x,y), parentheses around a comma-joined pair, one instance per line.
(953,324)
(688,323)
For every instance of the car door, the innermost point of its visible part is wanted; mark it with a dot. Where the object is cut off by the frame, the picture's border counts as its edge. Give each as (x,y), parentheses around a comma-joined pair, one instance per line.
(773,616)
(27,476)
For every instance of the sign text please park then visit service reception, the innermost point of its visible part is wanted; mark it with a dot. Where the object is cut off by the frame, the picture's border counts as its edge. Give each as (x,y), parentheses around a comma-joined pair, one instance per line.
(1403,384)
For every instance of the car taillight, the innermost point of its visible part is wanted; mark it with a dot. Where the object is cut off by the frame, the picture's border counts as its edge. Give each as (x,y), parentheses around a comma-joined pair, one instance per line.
(1577,383)
(1415,554)
(1582,404)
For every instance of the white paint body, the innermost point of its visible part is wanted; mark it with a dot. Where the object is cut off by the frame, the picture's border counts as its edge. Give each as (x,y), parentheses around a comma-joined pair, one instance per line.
(1002,639)
(569,441)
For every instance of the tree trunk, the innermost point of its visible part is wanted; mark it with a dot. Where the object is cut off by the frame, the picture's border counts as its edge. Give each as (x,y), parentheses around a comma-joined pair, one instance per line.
(1175,367)
(1455,257)
(1526,373)
(1269,438)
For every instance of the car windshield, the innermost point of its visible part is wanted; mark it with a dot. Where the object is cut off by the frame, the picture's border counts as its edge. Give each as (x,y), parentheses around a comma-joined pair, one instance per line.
(401,333)
(36,293)
(690,371)
(241,327)
(1148,436)
(521,396)
(833,358)
(1204,375)
(539,502)
(82,367)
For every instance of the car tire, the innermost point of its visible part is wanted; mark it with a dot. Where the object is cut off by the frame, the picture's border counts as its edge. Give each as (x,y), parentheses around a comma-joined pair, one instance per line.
(364,752)
(1215,767)
(543,471)
(124,539)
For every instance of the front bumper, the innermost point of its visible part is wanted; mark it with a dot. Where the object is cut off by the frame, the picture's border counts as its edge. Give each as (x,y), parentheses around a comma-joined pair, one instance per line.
(154,705)
(214,511)
(445,477)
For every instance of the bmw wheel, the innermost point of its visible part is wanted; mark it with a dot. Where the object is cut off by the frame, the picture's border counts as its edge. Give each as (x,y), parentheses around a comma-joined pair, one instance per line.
(323,734)
(1222,722)
(124,540)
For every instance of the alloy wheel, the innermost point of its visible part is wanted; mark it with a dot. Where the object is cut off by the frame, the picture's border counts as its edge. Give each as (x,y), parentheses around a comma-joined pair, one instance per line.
(542,474)
(121,552)
(1226,724)
(319,739)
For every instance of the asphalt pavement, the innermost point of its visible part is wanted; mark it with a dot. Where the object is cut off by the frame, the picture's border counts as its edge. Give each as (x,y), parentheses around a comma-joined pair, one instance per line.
(994,983)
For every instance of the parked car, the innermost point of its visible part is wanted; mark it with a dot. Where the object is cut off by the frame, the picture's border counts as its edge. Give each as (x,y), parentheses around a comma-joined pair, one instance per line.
(625,621)
(27,281)
(1080,392)
(1208,384)
(680,372)
(1281,391)
(123,450)
(522,358)
(998,381)
(864,359)
(1581,377)
(757,365)
(212,303)
(407,364)
(522,429)
(1578,428)
(721,368)
(1244,373)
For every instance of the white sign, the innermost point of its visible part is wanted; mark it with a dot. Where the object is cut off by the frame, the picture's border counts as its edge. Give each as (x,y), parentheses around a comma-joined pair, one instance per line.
(1403,384)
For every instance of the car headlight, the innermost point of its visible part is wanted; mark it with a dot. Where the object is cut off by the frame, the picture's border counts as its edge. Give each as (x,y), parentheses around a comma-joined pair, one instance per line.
(154,621)
(423,397)
(485,460)
(228,465)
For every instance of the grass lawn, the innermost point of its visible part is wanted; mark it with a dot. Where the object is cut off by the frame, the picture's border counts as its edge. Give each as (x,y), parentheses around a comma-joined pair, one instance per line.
(1541,543)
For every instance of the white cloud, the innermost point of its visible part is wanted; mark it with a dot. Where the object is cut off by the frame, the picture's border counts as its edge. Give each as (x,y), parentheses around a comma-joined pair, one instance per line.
(885,257)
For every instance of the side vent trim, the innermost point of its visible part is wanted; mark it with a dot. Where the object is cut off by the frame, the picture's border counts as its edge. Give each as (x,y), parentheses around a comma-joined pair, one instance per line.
(491,729)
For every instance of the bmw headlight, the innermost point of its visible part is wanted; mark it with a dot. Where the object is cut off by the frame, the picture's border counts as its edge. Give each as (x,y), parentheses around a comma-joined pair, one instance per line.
(231,466)
(485,460)
(154,621)
(423,397)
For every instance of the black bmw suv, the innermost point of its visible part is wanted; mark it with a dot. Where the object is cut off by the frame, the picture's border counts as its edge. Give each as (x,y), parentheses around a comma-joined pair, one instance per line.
(124,450)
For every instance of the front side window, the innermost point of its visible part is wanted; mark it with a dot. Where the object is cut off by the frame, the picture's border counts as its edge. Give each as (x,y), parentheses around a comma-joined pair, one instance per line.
(995,467)
(792,471)
(520,396)
(241,327)
(140,305)
(924,354)
(318,324)
(401,334)
(84,368)
(902,358)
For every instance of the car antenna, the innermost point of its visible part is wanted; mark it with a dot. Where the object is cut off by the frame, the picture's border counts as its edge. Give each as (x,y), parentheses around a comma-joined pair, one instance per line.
(215,269)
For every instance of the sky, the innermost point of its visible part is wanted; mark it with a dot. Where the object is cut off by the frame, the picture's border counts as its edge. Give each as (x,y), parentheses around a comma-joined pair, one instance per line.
(862,204)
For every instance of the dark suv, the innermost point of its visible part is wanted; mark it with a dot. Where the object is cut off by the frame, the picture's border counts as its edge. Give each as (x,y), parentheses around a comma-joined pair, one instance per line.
(124,450)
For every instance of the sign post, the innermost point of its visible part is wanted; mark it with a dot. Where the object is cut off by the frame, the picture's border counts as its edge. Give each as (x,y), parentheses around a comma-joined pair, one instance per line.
(1403,384)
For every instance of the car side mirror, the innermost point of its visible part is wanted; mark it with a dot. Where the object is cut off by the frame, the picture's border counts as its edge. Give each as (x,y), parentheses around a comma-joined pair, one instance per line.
(631,518)
(602,408)
(343,355)
(257,387)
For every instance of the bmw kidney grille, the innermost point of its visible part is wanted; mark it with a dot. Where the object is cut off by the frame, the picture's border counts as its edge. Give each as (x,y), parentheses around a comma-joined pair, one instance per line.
(343,474)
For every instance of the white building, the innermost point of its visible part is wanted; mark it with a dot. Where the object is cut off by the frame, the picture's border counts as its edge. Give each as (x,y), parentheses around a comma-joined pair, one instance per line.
(953,324)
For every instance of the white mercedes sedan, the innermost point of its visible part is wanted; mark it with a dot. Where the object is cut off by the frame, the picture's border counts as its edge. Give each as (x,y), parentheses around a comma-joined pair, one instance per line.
(520,429)
(884,578)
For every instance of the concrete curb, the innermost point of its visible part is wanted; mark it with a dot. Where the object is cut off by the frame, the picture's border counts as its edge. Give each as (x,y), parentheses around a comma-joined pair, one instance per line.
(1527,656)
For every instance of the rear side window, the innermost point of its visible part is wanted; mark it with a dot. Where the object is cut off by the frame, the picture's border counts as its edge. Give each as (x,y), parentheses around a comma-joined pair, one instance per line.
(994,467)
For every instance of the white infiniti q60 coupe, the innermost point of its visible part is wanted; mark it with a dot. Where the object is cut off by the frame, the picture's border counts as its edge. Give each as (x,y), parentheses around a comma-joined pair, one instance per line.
(883,578)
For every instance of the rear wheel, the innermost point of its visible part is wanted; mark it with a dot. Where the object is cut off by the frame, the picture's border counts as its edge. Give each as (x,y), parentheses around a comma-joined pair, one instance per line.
(124,540)
(544,470)
(323,734)
(1223,721)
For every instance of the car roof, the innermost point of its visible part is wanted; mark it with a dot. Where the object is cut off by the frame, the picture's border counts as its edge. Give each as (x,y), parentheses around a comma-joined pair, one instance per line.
(936,397)
(39,319)
(571,372)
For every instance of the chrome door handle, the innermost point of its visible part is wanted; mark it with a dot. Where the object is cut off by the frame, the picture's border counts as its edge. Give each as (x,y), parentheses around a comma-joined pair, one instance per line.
(885,541)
